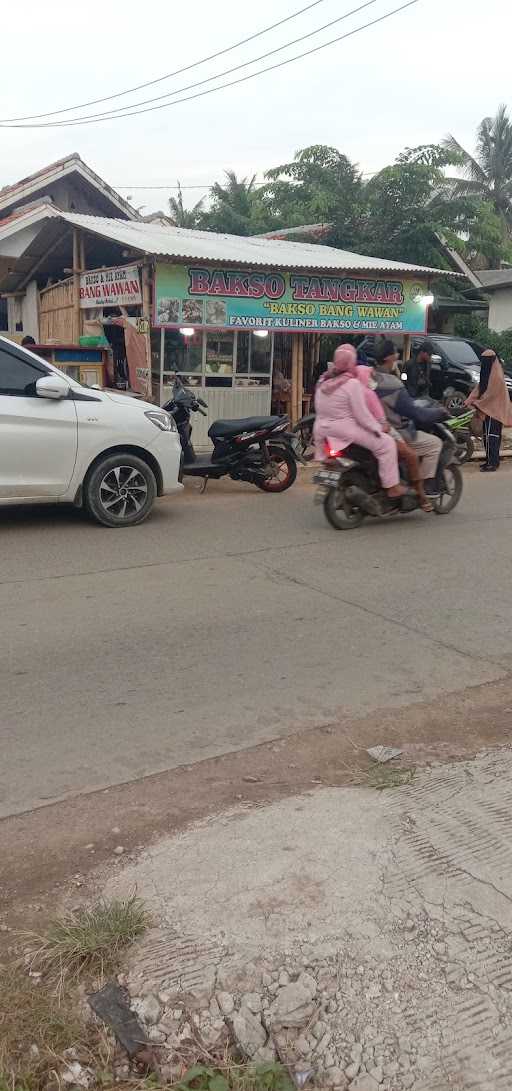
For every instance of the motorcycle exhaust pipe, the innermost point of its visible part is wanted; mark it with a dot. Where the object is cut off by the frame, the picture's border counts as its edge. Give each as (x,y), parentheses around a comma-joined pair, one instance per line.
(360,499)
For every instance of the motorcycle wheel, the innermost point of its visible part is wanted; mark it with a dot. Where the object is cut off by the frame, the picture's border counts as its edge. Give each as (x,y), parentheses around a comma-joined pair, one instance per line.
(465,453)
(339,513)
(304,435)
(284,472)
(452,490)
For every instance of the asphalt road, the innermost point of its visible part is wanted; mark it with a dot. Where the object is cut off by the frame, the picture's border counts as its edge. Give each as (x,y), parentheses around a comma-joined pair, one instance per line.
(230,619)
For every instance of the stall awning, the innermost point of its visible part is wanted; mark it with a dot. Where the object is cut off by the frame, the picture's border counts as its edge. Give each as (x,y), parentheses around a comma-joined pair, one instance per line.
(178,244)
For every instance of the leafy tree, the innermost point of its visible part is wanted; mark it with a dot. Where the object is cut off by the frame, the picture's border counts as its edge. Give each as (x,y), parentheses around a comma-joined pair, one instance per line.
(320,185)
(181,216)
(410,207)
(487,244)
(487,175)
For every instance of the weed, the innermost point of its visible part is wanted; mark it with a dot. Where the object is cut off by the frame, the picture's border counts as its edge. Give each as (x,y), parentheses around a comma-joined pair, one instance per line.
(88,940)
(236,1077)
(35,1029)
(385,776)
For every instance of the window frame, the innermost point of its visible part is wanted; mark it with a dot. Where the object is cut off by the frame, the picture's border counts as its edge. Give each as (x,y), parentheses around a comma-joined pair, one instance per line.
(203,375)
(38,367)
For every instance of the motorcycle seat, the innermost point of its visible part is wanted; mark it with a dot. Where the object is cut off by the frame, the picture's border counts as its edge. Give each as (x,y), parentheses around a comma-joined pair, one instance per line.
(222,429)
(361,454)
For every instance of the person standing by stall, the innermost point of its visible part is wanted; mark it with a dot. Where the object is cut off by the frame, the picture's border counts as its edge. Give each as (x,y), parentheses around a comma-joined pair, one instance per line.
(491,400)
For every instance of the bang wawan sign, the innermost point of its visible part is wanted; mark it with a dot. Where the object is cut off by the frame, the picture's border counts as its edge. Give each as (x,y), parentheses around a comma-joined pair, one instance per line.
(110,287)
(236,299)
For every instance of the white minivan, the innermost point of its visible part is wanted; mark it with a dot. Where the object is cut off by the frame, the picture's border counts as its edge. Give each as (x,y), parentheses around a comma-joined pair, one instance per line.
(62,442)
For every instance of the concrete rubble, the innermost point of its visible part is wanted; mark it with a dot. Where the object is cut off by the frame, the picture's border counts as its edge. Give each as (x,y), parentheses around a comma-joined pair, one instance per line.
(362,936)
(340,1018)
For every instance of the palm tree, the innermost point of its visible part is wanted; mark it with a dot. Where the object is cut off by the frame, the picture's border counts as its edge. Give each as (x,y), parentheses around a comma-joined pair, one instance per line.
(487,175)
(181,216)
(233,205)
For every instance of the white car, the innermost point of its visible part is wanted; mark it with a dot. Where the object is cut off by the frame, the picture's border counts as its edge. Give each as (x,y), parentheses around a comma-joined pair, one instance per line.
(63,442)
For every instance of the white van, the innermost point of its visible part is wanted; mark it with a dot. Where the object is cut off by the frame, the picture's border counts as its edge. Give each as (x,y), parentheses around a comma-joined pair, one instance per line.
(62,442)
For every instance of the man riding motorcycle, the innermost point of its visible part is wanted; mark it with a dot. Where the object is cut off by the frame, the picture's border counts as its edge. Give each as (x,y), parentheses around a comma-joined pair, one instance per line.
(403,414)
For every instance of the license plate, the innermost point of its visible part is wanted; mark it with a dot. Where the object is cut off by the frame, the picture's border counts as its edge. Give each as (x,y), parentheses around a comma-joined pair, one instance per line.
(327,477)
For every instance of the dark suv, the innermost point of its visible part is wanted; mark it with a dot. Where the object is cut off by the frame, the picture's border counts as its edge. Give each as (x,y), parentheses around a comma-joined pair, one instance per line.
(454,371)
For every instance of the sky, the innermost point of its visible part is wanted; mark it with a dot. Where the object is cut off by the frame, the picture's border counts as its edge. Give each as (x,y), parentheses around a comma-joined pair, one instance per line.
(440,66)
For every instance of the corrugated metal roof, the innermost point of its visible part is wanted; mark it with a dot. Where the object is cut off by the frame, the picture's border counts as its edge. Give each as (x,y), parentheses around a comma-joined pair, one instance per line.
(34,183)
(179,243)
(494,278)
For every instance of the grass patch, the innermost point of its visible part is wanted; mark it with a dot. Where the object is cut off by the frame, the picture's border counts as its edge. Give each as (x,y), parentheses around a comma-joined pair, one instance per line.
(385,776)
(88,940)
(35,1029)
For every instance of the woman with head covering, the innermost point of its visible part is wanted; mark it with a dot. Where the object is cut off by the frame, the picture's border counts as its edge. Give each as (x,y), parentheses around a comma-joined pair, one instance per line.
(342,418)
(491,400)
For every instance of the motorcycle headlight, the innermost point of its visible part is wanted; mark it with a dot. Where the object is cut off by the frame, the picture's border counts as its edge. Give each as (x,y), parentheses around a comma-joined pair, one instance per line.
(163,420)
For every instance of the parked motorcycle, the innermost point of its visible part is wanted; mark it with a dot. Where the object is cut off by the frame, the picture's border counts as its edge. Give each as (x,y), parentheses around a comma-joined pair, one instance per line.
(255,449)
(349,486)
(303,432)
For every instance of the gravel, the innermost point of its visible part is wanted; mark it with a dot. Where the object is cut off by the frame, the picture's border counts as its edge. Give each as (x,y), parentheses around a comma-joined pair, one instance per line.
(357,1023)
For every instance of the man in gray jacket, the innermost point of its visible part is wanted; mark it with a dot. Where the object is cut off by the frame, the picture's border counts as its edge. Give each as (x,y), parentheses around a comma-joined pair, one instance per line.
(403,414)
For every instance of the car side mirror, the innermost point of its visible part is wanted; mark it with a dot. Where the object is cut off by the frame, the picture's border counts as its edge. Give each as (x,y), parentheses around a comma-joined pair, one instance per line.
(52,386)
(436,359)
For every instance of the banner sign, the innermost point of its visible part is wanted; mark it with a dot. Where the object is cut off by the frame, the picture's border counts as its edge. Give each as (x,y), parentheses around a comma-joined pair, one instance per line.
(213,298)
(110,287)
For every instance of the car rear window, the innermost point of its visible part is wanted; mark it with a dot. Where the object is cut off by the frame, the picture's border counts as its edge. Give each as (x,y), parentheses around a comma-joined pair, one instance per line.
(458,351)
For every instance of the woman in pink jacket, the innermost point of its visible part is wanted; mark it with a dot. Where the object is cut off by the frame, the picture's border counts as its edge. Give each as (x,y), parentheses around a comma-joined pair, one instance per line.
(343,417)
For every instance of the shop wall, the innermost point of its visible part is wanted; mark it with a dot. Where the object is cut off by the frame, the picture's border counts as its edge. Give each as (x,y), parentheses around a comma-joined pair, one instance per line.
(30,311)
(500,310)
(222,403)
(58,318)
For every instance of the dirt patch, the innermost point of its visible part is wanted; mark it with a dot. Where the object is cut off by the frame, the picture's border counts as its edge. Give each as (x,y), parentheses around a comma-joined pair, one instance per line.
(66,841)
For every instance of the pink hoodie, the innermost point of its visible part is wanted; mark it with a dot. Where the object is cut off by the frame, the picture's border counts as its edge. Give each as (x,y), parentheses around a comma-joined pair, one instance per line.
(373,401)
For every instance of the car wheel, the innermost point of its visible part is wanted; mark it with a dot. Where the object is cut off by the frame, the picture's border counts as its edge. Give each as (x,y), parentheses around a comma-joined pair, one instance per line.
(120,490)
(455,402)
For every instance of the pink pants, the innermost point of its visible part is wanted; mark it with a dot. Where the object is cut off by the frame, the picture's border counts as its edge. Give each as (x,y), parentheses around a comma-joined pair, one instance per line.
(383,447)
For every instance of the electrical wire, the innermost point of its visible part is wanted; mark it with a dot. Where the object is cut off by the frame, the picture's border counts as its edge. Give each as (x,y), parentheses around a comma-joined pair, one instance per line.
(209,185)
(169,75)
(120,111)
(221,87)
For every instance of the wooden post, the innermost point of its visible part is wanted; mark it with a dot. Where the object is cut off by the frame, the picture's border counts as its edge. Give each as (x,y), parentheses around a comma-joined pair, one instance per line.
(162,353)
(407,347)
(76,282)
(295,376)
(300,375)
(146,313)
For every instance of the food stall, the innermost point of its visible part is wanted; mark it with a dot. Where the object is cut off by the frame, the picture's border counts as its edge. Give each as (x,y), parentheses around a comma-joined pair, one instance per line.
(229,330)
(242,319)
